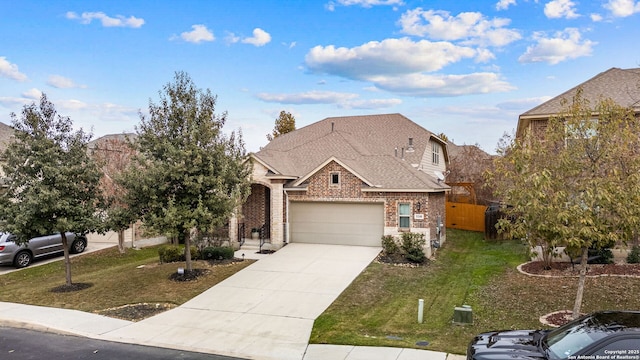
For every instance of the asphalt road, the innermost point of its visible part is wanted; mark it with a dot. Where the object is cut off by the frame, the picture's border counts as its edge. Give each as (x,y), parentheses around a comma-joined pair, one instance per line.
(22,344)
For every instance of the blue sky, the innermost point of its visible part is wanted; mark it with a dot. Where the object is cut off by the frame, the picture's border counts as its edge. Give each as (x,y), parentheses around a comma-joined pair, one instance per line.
(463,68)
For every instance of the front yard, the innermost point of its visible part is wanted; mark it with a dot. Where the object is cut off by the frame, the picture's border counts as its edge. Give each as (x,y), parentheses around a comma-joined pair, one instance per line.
(380,307)
(116,280)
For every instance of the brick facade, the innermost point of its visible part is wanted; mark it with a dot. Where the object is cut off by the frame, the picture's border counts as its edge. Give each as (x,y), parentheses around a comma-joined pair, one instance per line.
(267,200)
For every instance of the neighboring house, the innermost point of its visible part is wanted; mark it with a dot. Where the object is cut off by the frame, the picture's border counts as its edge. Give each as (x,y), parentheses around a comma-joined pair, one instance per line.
(620,85)
(467,165)
(348,180)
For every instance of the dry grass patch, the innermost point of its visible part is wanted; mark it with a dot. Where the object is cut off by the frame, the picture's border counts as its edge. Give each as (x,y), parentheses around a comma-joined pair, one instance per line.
(117,279)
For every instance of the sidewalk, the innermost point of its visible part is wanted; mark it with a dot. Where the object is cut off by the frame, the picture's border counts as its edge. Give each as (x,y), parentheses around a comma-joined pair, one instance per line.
(266,311)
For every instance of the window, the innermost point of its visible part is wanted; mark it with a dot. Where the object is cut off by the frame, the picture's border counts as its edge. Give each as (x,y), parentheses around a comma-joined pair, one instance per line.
(404,214)
(435,152)
(334,179)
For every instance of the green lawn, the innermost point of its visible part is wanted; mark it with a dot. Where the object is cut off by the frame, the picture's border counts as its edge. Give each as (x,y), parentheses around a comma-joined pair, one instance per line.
(117,279)
(383,301)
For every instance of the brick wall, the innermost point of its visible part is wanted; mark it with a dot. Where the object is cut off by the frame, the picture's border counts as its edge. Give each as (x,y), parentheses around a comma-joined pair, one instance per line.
(319,188)
(254,209)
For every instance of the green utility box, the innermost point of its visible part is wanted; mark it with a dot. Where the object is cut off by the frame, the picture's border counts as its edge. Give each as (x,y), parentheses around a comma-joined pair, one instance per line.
(463,315)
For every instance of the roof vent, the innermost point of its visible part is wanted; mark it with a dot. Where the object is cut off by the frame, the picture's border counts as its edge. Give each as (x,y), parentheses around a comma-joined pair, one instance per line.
(332,126)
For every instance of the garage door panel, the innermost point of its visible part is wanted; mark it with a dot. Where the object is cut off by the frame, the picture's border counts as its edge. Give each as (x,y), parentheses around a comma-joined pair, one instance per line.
(337,223)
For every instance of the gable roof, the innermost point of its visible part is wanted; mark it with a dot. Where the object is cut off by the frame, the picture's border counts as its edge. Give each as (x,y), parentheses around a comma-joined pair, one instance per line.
(370,146)
(621,85)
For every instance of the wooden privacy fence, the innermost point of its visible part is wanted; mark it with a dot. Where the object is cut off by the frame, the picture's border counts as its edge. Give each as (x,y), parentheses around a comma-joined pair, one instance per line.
(465,216)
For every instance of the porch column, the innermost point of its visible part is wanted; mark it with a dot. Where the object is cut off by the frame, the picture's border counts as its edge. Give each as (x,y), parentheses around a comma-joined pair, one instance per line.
(233,228)
(277,215)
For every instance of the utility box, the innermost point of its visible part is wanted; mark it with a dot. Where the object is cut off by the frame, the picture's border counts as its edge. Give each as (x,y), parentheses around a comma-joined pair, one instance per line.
(463,315)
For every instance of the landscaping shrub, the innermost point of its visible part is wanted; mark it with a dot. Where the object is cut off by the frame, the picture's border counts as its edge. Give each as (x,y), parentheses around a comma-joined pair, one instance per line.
(413,246)
(170,253)
(606,256)
(175,253)
(389,245)
(634,255)
(217,253)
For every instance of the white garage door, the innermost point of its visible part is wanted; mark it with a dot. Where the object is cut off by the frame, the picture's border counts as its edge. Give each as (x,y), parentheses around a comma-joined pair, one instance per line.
(336,223)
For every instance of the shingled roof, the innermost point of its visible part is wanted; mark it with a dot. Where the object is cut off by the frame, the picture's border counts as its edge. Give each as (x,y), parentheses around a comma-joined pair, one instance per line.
(620,85)
(370,146)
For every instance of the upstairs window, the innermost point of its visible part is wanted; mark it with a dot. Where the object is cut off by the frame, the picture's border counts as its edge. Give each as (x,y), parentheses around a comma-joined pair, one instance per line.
(334,179)
(435,153)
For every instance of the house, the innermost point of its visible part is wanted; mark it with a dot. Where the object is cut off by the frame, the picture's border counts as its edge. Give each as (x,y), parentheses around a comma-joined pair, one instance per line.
(348,180)
(620,85)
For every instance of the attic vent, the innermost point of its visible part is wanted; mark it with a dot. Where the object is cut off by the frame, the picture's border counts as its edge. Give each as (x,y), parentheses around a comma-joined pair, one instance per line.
(410,147)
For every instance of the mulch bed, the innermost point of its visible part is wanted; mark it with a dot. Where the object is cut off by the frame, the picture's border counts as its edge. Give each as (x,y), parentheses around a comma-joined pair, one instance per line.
(136,312)
(71,288)
(398,260)
(566,269)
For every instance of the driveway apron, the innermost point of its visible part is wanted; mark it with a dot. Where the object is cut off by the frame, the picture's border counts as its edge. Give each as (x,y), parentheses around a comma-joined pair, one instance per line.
(265,311)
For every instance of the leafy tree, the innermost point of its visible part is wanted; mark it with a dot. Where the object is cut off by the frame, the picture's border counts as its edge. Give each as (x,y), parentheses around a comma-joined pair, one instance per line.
(284,123)
(52,181)
(114,156)
(186,174)
(575,184)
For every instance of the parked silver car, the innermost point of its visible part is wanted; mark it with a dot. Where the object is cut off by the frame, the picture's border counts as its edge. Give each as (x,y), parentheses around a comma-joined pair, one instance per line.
(22,255)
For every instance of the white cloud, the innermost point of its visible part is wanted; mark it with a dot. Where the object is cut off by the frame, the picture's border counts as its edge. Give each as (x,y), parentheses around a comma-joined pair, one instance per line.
(443,85)
(400,66)
(390,56)
(364,3)
(370,104)
(33,94)
(231,38)
(259,38)
(520,104)
(199,34)
(310,97)
(622,8)
(10,70)
(596,17)
(504,4)
(107,21)
(62,82)
(340,99)
(562,46)
(470,27)
(556,9)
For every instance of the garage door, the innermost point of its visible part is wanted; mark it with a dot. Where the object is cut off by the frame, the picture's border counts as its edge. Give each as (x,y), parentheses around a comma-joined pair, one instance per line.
(336,223)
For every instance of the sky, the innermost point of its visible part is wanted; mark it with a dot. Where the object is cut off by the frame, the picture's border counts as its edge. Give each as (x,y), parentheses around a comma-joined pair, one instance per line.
(463,68)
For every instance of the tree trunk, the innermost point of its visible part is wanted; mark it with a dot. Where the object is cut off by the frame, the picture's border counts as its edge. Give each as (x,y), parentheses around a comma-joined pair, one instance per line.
(121,241)
(581,280)
(67,261)
(187,249)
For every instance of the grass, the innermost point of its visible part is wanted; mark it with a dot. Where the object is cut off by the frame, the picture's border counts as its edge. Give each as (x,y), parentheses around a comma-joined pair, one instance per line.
(381,302)
(117,279)
(381,305)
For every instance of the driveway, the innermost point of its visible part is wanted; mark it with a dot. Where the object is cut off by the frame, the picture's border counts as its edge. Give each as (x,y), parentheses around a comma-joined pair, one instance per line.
(265,311)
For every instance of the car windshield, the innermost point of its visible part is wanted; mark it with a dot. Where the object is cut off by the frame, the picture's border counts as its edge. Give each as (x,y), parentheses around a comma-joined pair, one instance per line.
(573,337)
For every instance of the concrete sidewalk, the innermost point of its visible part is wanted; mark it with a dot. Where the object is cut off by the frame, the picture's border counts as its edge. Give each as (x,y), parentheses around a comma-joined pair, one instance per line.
(266,311)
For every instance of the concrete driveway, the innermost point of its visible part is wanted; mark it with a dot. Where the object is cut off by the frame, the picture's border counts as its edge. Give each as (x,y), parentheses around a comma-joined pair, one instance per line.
(265,311)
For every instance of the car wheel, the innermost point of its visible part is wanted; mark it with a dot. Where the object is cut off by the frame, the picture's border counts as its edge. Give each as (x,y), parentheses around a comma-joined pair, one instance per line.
(78,246)
(22,259)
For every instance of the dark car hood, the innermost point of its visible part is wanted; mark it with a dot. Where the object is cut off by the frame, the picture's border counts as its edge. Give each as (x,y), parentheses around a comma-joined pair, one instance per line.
(519,344)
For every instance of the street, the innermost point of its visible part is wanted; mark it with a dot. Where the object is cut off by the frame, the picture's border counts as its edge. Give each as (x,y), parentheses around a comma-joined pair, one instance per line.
(21,344)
